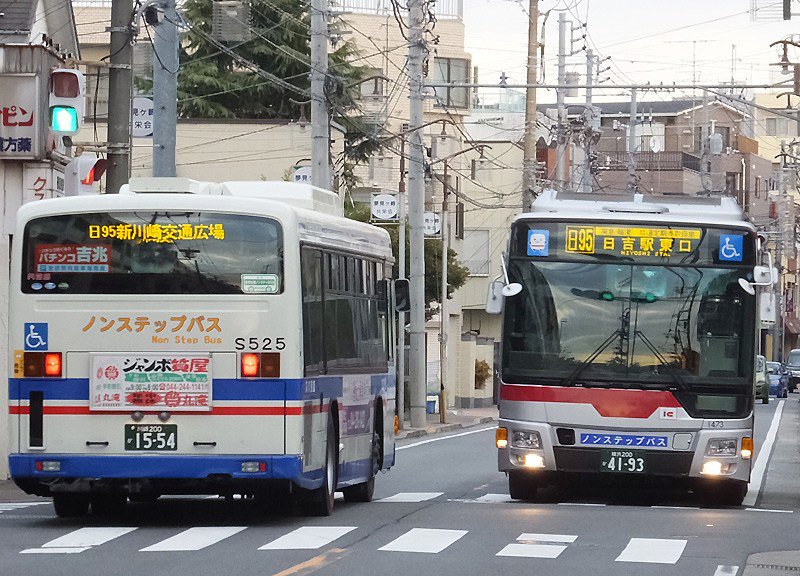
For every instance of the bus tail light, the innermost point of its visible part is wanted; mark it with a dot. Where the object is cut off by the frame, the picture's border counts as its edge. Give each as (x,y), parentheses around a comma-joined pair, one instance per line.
(42,365)
(261,365)
(501,437)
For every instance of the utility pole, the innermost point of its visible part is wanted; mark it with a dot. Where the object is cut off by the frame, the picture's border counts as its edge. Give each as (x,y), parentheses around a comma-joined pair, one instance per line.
(632,144)
(401,273)
(165,91)
(531,118)
(120,80)
(777,327)
(561,154)
(443,314)
(586,180)
(320,127)
(704,145)
(417,50)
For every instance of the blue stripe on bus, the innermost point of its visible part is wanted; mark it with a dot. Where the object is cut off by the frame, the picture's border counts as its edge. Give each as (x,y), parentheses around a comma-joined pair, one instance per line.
(160,466)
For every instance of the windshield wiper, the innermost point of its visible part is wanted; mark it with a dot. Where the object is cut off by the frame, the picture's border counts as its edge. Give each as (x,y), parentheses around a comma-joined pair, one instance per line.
(663,361)
(569,379)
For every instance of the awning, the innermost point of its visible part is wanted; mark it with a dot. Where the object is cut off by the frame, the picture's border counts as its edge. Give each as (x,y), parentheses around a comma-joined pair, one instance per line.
(791,325)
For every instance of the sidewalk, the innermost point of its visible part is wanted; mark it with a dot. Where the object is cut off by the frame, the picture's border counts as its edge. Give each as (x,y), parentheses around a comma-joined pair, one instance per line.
(455,420)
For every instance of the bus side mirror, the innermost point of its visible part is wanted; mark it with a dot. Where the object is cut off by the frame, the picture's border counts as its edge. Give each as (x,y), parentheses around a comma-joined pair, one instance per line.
(402,295)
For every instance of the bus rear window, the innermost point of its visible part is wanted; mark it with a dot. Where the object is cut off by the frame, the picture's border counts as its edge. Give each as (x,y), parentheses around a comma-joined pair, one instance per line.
(153,252)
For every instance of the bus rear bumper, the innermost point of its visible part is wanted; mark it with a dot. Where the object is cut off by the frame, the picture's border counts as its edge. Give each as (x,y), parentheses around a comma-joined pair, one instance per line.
(176,473)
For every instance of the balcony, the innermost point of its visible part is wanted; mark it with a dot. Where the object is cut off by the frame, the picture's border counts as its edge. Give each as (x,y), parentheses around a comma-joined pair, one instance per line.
(653,161)
(444,9)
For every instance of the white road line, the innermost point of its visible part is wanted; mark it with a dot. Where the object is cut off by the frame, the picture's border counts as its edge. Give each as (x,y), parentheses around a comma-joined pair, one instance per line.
(425,540)
(428,441)
(79,540)
(411,497)
(676,507)
(195,538)
(308,538)
(489,498)
(529,538)
(757,475)
(652,551)
(532,550)
(581,504)
(726,570)
(769,510)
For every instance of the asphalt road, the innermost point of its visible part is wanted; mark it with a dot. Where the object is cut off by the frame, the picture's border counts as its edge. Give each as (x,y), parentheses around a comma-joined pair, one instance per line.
(444,509)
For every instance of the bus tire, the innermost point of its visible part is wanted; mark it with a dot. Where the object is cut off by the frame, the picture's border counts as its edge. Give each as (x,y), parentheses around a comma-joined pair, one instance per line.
(71,505)
(320,501)
(522,486)
(364,491)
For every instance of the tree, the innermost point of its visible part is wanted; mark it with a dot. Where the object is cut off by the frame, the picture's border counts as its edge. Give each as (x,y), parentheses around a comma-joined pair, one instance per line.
(267,76)
(456,272)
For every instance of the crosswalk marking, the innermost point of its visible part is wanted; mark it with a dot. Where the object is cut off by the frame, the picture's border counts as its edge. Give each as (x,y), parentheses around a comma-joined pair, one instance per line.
(425,540)
(80,540)
(411,497)
(531,545)
(308,538)
(14,506)
(195,539)
(652,551)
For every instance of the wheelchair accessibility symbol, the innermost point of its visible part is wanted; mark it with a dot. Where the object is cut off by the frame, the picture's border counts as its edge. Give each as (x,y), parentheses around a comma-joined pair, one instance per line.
(35,335)
(730,247)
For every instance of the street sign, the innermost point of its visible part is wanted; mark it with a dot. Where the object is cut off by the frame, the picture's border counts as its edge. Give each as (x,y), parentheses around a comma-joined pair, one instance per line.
(301,174)
(19,122)
(384,207)
(431,223)
(142,117)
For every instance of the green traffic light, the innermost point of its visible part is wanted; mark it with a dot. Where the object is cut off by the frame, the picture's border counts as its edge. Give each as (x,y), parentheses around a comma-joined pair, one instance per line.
(63,119)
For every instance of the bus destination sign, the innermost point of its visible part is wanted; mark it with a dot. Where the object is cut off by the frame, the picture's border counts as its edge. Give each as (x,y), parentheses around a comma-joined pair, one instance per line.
(631,241)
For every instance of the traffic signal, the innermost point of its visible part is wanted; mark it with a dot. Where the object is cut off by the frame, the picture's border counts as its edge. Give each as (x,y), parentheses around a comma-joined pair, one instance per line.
(67,100)
(81,173)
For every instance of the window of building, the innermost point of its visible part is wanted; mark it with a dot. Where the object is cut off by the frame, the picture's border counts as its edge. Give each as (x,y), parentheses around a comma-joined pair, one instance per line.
(777,126)
(451,70)
(758,187)
(375,85)
(475,253)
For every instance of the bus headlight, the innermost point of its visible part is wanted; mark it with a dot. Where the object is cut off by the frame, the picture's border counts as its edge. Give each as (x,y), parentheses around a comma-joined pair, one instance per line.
(725,447)
(523,439)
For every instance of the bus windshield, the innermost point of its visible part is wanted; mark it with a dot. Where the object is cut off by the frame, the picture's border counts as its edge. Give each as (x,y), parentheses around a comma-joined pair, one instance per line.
(153,252)
(628,325)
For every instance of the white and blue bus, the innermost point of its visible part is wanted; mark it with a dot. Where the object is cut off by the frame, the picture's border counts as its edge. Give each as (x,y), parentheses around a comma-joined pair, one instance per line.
(185,337)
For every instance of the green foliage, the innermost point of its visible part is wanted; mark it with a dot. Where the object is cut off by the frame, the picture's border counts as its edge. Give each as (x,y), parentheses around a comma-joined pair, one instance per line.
(268,76)
(456,273)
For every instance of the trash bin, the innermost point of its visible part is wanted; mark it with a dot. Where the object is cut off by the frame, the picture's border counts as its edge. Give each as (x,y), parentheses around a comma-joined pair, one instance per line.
(431,407)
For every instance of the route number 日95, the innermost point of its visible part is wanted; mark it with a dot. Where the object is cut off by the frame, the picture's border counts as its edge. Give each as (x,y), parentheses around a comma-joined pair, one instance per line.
(260,343)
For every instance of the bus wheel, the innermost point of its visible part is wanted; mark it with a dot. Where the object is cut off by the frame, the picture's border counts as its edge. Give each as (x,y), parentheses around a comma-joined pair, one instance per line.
(108,504)
(522,486)
(363,492)
(71,505)
(320,501)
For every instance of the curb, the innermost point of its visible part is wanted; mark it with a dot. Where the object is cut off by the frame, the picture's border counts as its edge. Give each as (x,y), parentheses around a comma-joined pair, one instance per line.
(418,432)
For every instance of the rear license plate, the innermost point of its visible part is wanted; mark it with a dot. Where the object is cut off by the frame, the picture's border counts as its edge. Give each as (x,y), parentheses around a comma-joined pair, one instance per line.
(625,461)
(146,437)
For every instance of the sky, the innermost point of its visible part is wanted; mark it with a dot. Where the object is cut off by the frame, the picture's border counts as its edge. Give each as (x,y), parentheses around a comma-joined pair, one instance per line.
(648,40)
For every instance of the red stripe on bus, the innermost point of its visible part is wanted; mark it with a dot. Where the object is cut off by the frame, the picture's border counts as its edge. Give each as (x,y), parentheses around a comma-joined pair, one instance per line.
(219,410)
(608,403)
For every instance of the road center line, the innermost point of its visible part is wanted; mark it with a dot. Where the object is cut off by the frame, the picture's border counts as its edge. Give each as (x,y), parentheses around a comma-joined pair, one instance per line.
(429,440)
(757,476)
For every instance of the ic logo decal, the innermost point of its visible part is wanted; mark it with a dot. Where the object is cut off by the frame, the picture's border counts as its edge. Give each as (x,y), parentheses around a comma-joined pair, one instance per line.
(668,413)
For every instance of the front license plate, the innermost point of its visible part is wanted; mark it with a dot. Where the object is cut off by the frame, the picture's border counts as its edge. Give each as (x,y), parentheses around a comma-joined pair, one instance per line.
(625,461)
(151,437)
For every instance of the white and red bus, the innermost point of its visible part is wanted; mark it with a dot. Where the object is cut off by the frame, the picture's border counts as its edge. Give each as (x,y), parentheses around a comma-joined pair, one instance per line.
(194,337)
(628,343)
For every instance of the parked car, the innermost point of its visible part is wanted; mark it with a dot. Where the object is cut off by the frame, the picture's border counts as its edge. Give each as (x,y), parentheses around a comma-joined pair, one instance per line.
(793,366)
(762,381)
(778,379)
